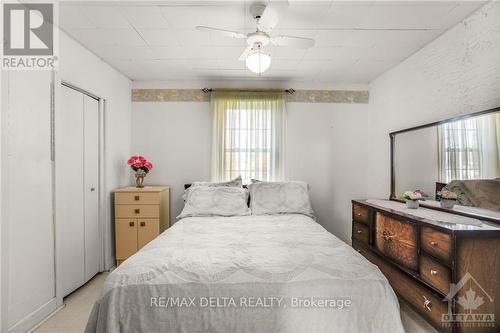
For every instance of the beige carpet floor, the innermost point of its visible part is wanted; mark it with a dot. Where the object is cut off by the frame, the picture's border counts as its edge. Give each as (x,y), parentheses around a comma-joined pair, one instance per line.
(73,317)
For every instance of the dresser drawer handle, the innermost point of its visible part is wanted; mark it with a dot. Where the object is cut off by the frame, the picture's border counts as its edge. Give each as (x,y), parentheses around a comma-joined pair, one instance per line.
(386,235)
(427,303)
(143,224)
(131,224)
(434,272)
(359,214)
(433,243)
(136,198)
(359,231)
(137,211)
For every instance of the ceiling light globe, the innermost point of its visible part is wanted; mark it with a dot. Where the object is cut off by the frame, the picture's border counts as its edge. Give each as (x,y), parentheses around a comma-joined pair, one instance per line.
(258,61)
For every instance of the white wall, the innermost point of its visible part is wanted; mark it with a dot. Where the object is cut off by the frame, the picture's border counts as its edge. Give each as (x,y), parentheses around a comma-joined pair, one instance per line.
(326,147)
(28,286)
(176,136)
(457,73)
(27,229)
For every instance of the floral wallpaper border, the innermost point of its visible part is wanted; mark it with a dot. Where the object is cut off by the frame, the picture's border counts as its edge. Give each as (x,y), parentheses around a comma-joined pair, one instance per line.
(299,96)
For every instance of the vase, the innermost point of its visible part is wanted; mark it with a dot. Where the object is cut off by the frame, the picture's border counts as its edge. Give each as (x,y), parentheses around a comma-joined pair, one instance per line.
(139,180)
(412,204)
(448,203)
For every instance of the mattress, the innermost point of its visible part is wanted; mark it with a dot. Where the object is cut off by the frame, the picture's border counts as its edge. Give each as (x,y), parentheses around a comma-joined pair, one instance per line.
(280,273)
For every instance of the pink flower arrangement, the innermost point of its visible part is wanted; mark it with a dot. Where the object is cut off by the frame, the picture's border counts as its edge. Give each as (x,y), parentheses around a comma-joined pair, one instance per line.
(140,164)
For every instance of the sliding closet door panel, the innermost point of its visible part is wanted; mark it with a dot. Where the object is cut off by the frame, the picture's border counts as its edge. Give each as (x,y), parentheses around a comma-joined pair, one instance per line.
(70,187)
(91,186)
(27,195)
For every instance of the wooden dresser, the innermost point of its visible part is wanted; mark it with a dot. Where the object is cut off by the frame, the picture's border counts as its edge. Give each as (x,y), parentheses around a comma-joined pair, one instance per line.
(423,259)
(141,214)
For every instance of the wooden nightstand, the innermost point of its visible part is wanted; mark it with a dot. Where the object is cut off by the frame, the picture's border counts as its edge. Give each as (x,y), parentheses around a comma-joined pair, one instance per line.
(141,214)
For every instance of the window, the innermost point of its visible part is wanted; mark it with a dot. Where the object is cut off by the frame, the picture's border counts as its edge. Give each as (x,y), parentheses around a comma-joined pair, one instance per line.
(459,150)
(248,136)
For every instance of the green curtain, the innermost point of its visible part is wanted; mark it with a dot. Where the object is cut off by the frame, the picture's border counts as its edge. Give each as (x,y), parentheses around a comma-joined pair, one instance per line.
(249,130)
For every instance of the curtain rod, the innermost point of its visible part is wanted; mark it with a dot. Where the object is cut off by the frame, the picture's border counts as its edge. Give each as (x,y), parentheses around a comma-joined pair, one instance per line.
(290,91)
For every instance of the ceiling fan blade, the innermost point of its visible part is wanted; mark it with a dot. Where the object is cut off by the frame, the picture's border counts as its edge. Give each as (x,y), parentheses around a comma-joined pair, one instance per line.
(245,53)
(297,42)
(271,15)
(227,33)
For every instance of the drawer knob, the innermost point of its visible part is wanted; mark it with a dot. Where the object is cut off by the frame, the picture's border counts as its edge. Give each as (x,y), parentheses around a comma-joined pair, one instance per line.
(137,211)
(386,235)
(136,198)
(359,231)
(427,304)
(143,224)
(131,224)
(434,272)
(359,214)
(433,243)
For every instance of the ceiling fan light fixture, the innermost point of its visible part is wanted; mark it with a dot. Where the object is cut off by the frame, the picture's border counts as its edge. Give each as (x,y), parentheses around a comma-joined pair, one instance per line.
(258,61)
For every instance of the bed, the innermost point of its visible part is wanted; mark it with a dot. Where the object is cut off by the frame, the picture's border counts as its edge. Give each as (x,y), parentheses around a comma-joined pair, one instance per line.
(267,273)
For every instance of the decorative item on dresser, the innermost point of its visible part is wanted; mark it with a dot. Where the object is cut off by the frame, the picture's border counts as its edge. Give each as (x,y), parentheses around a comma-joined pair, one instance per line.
(141,167)
(141,214)
(447,271)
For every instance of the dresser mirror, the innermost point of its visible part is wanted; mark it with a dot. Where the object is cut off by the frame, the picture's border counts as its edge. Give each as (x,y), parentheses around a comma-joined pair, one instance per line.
(460,155)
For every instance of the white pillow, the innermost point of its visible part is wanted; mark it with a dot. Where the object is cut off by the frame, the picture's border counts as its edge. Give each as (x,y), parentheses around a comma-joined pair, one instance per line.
(215,201)
(236,182)
(270,198)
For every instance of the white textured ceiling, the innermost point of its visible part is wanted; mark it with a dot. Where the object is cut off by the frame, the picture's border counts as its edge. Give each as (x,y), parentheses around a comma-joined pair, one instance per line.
(355,41)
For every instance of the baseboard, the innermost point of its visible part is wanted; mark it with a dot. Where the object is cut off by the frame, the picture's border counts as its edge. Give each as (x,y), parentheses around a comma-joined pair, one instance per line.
(28,323)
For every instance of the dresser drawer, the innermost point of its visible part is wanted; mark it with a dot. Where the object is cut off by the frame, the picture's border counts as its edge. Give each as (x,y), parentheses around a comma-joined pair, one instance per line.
(137,198)
(428,304)
(397,240)
(436,243)
(124,211)
(436,274)
(361,232)
(360,214)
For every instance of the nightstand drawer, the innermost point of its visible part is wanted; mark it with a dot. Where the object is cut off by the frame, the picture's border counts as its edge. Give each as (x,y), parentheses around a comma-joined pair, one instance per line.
(137,198)
(124,211)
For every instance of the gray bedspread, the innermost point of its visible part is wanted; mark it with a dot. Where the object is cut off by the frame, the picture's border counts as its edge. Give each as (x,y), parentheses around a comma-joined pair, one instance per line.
(267,274)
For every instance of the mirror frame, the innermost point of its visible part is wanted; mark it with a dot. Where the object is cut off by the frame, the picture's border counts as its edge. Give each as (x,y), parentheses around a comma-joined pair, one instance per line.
(392,136)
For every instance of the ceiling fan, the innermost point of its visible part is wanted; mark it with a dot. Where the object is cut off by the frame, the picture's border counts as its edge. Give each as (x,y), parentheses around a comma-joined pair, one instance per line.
(267,17)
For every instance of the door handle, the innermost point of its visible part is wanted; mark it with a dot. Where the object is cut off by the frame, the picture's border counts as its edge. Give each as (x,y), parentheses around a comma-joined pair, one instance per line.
(92,189)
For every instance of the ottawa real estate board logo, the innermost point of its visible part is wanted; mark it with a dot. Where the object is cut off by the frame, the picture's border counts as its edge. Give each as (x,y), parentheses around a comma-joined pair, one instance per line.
(28,36)
(469,305)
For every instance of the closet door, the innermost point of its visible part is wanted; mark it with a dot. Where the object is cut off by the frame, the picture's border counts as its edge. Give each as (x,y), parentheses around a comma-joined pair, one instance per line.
(70,187)
(91,185)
